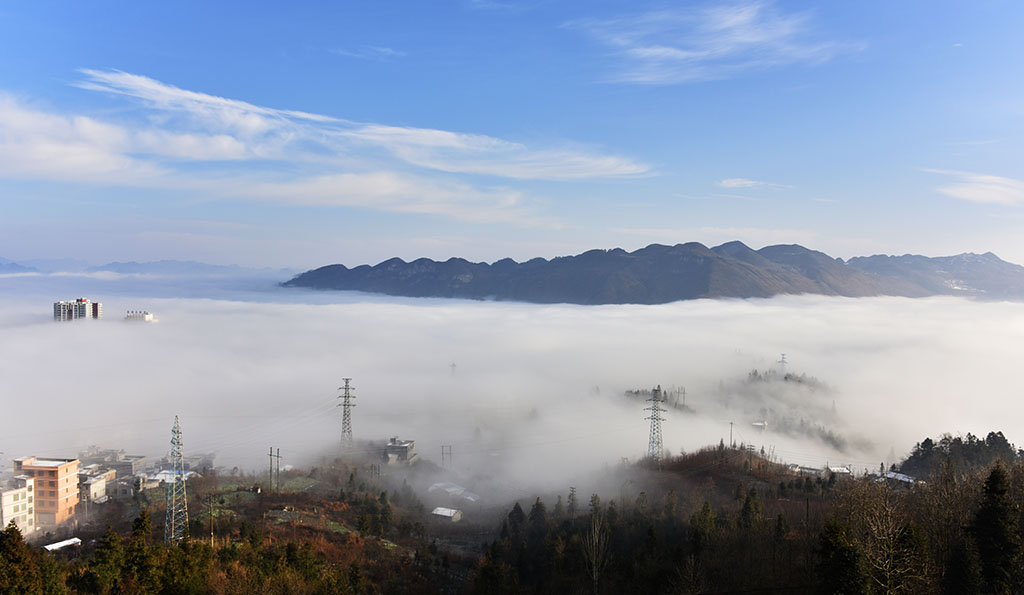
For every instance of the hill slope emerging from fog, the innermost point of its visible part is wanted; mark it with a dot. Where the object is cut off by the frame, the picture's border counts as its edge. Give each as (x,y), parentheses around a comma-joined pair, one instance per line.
(659,274)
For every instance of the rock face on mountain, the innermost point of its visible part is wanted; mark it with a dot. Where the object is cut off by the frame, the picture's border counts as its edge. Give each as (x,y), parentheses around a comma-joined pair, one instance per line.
(658,274)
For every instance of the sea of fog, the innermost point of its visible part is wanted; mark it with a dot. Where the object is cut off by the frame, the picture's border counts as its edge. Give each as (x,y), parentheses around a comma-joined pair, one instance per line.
(535,392)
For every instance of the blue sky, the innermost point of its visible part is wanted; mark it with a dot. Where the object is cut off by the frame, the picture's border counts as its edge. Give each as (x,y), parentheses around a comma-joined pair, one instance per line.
(351,132)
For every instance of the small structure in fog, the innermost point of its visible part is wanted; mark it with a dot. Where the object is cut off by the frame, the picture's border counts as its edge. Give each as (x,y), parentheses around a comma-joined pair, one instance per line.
(139,316)
(53,547)
(454,491)
(900,477)
(449,515)
(401,452)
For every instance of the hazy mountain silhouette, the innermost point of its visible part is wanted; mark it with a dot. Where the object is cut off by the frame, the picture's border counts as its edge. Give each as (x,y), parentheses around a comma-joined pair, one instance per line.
(9,266)
(659,274)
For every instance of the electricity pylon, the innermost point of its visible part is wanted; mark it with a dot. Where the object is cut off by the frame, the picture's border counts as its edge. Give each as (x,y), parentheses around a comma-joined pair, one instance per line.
(176,521)
(346,405)
(654,447)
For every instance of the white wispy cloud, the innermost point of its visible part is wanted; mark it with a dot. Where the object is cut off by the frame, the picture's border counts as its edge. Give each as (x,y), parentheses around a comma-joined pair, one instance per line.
(369,52)
(222,147)
(746,183)
(741,183)
(37,145)
(469,153)
(715,41)
(400,192)
(285,133)
(982,188)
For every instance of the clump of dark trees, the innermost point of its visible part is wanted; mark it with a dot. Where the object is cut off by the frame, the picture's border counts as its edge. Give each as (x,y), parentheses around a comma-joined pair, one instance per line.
(969,452)
(753,528)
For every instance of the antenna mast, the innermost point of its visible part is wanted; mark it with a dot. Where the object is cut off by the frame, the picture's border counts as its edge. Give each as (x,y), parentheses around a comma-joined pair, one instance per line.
(346,405)
(176,521)
(654,447)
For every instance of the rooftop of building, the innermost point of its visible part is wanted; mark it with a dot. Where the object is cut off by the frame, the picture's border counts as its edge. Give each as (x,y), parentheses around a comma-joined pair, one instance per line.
(44,462)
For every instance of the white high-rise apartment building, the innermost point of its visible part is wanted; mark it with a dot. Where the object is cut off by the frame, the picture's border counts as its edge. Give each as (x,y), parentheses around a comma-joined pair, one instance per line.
(80,308)
(17,503)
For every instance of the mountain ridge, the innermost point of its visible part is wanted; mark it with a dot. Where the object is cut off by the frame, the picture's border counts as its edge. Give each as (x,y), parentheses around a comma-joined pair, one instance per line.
(659,274)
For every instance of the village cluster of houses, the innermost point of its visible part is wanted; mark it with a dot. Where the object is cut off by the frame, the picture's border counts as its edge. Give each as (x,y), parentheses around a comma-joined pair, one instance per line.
(40,494)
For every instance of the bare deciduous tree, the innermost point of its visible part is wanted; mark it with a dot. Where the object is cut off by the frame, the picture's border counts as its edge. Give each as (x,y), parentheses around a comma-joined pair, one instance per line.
(595,548)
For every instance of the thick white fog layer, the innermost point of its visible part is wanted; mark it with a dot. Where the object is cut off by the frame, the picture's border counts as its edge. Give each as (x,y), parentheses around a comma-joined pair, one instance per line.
(536,392)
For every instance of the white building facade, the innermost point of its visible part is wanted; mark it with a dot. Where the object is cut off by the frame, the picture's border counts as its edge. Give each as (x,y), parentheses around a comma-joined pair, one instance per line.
(80,308)
(17,503)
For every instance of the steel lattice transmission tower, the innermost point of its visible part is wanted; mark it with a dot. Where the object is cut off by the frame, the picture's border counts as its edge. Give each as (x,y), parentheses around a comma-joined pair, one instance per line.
(654,447)
(176,521)
(346,405)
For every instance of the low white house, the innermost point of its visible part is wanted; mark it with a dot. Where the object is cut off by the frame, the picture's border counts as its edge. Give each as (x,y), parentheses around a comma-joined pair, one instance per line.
(449,515)
(53,547)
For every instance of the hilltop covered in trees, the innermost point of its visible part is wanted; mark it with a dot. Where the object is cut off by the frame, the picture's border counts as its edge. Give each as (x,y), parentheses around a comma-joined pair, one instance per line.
(969,452)
(748,527)
(718,520)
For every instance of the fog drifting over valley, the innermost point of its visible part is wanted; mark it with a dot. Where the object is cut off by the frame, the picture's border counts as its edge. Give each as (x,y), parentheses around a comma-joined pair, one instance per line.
(536,394)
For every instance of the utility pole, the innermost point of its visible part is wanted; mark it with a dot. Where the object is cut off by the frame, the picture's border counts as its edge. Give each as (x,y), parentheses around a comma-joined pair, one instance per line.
(209,500)
(446,453)
(346,415)
(654,445)
(176,519)
(731,443)
(272,457)
(782,364)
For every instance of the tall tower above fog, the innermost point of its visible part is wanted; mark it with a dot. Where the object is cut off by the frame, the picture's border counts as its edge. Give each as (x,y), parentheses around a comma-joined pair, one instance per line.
(80,308)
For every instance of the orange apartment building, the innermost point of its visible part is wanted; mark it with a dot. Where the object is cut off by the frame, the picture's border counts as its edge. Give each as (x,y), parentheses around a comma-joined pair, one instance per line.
(56,487)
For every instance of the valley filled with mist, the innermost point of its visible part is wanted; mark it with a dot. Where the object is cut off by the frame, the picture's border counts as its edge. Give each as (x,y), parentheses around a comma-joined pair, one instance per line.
(527,396)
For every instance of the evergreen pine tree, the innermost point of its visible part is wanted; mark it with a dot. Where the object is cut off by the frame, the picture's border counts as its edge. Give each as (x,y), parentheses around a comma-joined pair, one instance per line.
(18,570)
(963,570)
(840,564)
(995,533)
